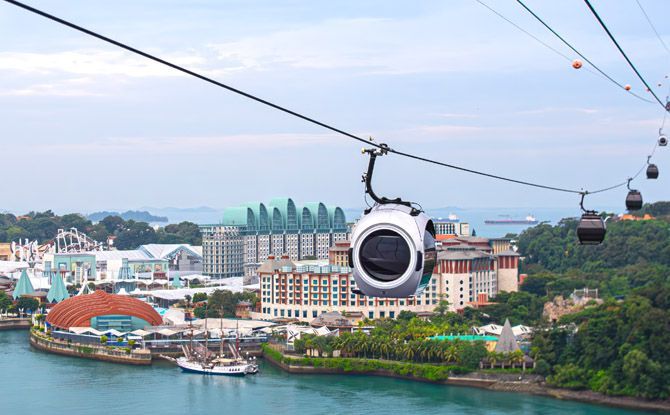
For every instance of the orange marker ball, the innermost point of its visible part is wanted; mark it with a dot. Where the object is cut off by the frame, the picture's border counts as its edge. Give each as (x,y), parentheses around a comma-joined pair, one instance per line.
(627,87)
(576,64)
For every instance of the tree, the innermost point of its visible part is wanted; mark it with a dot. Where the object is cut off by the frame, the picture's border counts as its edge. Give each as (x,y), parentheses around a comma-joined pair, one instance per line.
(442,307)
(5,302)
(27,304)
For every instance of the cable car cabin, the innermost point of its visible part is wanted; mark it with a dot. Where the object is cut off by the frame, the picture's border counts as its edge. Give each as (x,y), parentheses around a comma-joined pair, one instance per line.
(662,141)
(634,200)
(591,229)
(393,251)
(652,171)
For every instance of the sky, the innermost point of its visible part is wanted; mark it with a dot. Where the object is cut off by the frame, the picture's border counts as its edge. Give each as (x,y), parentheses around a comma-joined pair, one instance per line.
(86,126)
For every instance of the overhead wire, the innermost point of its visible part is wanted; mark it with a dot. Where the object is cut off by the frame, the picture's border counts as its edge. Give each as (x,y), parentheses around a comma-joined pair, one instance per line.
(665,46)
(568,44)
(630,63)
(559,53)
(294,113)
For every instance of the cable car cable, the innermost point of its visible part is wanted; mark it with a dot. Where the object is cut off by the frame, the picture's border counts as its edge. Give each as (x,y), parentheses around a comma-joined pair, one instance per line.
(291,112)
(539,19)
(665,46)
(604,26)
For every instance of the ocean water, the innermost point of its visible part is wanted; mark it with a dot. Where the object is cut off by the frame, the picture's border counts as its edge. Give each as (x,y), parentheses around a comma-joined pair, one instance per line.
(36,382)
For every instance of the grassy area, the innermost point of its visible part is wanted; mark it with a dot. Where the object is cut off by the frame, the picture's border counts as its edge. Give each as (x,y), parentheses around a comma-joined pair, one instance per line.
(419,370)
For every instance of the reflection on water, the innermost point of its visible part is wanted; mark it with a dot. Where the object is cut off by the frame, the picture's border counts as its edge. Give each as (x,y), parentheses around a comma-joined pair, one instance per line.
(37,382)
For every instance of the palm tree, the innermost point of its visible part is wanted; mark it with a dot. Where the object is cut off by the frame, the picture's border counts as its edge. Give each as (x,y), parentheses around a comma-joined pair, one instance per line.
(385,347)
(450,353)
(493,358)
(517,357)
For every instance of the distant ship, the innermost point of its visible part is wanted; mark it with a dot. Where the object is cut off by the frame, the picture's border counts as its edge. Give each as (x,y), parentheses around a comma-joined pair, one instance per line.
(530,220)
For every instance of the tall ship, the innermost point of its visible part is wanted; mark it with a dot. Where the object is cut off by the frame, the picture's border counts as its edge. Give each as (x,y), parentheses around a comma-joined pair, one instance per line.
(529,220)
(199,359)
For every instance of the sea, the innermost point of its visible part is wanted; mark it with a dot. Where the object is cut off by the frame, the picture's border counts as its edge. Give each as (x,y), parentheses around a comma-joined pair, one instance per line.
(36,382)
(474,216)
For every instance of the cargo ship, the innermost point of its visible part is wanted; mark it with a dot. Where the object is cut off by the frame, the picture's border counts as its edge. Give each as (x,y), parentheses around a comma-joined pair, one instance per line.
(530,220)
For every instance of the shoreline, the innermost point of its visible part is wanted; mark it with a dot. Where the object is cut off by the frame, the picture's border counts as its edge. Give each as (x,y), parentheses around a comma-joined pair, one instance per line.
(135,357)
(15,323)
(502,382)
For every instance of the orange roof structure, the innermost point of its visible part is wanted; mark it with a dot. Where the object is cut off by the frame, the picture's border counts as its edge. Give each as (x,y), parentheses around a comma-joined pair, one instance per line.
(628,216)
(78,311)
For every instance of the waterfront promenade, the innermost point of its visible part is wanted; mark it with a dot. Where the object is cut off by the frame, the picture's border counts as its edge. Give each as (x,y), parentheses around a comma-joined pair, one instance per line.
(89,351)
(15,323)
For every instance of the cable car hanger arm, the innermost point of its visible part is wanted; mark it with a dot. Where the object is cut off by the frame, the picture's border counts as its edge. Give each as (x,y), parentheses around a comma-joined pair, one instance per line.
(382,150)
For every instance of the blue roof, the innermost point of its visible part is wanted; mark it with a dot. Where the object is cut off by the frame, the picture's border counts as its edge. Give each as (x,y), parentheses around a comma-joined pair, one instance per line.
(23,286)
(57,292)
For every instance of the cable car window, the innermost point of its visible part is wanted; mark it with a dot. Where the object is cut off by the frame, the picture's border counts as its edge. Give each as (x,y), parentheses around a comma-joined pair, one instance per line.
(385,255)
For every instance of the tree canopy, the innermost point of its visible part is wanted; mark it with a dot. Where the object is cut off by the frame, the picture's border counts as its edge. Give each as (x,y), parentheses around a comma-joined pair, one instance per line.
(43,227)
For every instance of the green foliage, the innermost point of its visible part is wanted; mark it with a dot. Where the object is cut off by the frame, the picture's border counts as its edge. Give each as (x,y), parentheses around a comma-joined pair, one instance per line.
(222,303)
(129,234)
(555,248)
(569,376)
(5,301)
(199,297)
(103,339)
(27,304)
(430,372)
(400,340)
(618,347)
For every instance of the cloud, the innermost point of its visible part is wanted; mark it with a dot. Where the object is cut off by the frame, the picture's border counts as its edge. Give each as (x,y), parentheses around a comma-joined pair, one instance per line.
(187,145)
(434,43)
(93,62)
(75,87)
(553,110)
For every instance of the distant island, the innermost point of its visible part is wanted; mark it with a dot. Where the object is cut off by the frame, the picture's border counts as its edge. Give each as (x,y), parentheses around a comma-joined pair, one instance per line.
(136,215)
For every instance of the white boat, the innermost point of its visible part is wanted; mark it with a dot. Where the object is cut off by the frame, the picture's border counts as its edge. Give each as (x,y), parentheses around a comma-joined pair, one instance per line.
(220,366)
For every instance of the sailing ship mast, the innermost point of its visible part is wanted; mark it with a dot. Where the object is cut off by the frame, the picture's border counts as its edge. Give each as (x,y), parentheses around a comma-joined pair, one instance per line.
(206,334)
(221,335)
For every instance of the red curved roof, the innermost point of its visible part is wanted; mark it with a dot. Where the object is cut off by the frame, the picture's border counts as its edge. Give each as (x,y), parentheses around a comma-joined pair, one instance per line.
(78,311)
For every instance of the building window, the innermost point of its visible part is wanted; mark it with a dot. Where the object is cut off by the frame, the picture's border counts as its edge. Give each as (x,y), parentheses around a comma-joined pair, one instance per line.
(392,314)
(371,314)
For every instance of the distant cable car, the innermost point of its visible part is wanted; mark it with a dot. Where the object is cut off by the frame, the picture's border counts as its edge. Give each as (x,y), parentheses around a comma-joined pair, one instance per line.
(633,199)
(576,64)
(652,170)
(591,228)
(662,141)
(392,246)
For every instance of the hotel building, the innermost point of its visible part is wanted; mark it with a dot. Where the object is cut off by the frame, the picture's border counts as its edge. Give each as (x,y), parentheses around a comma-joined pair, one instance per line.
(469,271)
(250,233)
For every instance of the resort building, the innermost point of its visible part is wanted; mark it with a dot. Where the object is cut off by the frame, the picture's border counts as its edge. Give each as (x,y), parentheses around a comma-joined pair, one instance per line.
(248,234)
(148,262)
(467,271)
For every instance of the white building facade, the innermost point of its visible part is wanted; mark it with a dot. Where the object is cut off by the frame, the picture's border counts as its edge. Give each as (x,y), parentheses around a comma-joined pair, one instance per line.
(278,228)
(467,270)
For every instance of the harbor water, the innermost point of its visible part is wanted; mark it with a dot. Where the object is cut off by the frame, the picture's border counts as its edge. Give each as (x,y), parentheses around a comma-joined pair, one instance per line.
(38,382)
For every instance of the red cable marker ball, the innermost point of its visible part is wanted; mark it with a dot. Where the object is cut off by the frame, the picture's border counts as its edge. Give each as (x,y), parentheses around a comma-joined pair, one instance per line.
(576,64)
(627,87)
